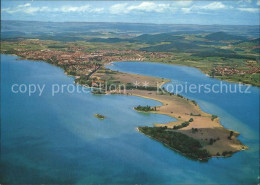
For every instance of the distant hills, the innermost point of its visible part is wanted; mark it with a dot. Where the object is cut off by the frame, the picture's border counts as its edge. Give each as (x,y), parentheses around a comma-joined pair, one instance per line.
(222,36)
(255,41)
(52,30)
(157,38)
(195,39)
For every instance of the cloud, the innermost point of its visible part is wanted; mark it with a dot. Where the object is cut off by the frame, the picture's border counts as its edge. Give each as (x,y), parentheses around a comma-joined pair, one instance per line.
(218,6)
(214,6)
(26,8)
(145,7)
(25,5)
(80,9)
(125,8)
(253,10)
(142,7)
(248,6)
(68,9)
(29,9)
(150,7)
(207,7)
(119,8)
(186,10)
(246,1)
(182,3)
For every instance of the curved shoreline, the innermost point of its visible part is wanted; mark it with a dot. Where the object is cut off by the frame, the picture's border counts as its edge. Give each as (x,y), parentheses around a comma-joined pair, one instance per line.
(203,122)
(181,109)
(206,74)
(233,145)
(174,149)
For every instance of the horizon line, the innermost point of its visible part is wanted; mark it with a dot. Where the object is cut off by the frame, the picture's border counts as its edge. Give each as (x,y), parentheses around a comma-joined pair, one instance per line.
(135,23)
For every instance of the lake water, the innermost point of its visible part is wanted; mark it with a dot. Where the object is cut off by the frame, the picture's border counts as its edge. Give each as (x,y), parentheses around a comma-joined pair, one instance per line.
(56,139)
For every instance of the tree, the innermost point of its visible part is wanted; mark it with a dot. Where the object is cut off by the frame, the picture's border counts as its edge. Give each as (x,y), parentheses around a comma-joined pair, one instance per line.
(211,141)
(230,134)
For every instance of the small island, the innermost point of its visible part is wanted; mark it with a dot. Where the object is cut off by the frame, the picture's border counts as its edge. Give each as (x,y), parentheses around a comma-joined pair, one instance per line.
(100,116)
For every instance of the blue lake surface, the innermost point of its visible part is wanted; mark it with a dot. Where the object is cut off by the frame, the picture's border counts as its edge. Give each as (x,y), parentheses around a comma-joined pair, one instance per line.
(57,140)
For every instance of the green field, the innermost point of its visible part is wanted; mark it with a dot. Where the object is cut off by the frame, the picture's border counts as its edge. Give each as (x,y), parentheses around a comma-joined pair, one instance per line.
(204,51)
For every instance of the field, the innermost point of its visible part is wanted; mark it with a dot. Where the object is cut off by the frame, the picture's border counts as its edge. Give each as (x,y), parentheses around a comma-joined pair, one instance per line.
(230,55)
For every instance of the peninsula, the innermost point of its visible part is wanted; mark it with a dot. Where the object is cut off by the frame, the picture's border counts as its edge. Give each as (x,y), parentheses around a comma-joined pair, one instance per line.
(200,134)
(86,60)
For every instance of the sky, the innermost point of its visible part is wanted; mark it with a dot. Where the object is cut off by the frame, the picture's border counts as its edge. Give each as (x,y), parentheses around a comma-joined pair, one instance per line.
(236,12)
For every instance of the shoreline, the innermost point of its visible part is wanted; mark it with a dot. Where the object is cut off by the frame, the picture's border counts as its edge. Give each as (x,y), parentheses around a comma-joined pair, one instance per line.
(203,72)
(174,149)
(240,146)
(111,64)
(233,145)
(180,109)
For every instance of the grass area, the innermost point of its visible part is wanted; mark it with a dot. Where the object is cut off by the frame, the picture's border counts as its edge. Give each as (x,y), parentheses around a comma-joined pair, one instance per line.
(252,79)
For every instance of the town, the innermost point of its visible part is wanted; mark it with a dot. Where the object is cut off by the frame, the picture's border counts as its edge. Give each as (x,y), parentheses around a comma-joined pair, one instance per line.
(222,71)
(78,62)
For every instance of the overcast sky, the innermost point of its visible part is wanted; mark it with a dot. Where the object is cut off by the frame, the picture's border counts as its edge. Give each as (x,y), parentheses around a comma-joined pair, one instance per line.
(244,12)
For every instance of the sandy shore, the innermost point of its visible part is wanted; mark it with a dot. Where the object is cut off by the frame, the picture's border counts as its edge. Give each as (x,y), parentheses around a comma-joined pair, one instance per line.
(181,109)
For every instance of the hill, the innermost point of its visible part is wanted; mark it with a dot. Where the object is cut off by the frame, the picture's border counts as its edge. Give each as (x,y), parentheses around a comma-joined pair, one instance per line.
(77,30)
(222,36)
